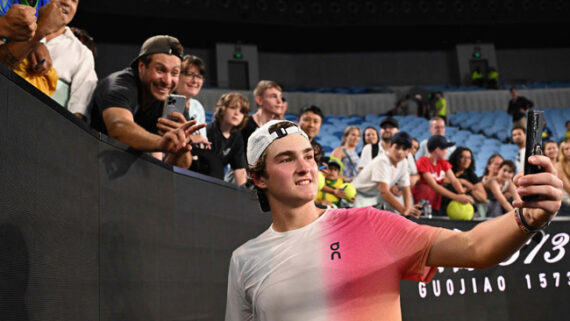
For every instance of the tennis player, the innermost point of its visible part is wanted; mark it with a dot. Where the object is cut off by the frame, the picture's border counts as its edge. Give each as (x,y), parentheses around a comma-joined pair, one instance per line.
(346,264)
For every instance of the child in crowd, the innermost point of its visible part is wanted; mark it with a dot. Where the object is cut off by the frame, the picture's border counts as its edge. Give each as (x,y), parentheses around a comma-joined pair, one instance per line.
(503,191)
(550,149)
(433,169)
(232,110)
(333,191)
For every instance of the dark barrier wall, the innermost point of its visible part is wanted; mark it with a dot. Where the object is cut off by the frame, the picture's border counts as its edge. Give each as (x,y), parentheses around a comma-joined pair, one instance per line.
(90,230)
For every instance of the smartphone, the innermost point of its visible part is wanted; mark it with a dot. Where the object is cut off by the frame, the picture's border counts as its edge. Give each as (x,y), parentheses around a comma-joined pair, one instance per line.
(534,128)
(174,103)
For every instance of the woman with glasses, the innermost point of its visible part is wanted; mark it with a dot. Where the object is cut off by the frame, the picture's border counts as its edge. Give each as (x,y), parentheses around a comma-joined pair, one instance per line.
(190,83)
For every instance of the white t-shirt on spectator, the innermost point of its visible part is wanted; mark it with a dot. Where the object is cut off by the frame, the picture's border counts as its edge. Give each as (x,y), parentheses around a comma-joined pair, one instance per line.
(75,66)
(520,160)
(366,154)
(380,170)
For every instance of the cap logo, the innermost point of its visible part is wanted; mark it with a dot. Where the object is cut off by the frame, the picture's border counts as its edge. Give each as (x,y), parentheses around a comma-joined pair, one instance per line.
(281,132)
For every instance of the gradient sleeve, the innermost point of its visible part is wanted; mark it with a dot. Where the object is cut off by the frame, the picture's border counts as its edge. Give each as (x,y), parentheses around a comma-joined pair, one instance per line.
(409,244)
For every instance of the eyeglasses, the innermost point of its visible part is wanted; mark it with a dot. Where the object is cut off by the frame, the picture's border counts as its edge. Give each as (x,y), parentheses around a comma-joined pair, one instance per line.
(193,75)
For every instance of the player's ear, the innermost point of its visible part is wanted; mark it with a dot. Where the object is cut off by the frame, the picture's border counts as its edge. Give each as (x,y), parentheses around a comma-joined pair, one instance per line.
(258,180)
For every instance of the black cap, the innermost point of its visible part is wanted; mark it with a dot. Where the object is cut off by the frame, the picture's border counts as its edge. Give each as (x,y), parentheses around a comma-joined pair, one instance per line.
(389,121)
(403,139)
(159,44)
(436,141)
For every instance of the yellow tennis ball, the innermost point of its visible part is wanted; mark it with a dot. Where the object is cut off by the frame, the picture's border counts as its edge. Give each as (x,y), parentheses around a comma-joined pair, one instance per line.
(349,190)
(459,211)
(321,180)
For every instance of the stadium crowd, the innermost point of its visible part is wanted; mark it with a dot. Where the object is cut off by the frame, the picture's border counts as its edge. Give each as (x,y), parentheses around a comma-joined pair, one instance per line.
(392,171)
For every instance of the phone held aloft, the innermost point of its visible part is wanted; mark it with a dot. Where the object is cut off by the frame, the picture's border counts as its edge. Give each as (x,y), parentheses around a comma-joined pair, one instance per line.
(534,128)
(174,103)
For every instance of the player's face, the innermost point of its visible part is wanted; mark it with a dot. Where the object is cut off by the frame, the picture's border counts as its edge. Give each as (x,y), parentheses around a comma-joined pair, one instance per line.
(310,123)
(233,115)
(190,82)
(437,127)
(271,102)
(465,160)
(551,150)
(370,136)
(161,75)
(290,171)
(518,136)
(353,138)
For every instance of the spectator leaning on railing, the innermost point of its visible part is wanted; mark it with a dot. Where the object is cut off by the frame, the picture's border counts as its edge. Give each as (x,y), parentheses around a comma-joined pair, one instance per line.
(127,104)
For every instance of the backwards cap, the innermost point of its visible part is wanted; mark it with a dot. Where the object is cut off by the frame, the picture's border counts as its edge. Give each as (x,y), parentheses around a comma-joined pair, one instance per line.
(159,44)
(263,137)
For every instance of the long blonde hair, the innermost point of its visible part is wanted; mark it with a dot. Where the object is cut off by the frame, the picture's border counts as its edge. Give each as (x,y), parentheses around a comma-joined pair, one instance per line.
(564,163)
(347,131)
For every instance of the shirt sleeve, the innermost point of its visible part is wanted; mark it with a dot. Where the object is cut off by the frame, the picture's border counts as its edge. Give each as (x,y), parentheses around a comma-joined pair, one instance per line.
(409,243)
(83,83)
(446,165)
(404,179)
(200,113)
(381,172)
(365,156)
(238,158)
(237,306)
(422,164)
(116,92)
(412,168)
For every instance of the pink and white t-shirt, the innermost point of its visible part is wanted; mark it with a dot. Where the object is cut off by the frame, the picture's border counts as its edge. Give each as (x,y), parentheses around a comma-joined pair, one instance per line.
(346,265)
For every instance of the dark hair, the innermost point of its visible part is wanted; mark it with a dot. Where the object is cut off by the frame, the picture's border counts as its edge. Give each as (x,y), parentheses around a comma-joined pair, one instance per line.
(197,62)
(455,158)
(518,127)
(177,50)
(402,139)
(364,132)
(510,164)
(489,162)
(313,109)
(85,38)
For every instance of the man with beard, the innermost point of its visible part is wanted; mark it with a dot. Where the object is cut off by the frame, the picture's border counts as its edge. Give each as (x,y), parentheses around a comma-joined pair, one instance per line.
(436,127)
(127,104)
(388,127)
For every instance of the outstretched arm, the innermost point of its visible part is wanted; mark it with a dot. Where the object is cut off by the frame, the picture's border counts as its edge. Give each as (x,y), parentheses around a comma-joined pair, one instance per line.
(492,241)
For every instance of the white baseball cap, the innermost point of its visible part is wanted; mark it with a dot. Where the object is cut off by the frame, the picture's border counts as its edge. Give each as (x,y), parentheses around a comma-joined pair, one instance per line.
(262,138)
